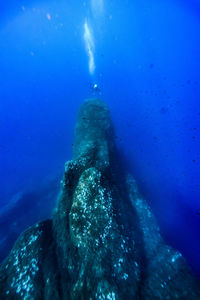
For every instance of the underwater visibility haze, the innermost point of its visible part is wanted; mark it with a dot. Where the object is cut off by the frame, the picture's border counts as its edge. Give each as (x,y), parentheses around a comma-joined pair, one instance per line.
(142,58)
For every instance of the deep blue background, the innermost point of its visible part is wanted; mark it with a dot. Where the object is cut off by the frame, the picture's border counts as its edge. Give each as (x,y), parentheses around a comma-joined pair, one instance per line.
(147,56)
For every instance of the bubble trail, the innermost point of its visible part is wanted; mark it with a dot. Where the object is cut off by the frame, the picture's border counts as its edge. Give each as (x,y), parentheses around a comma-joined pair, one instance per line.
(89,44)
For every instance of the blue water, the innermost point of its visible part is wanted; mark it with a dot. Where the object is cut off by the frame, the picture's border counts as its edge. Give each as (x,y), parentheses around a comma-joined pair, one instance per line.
(147,58)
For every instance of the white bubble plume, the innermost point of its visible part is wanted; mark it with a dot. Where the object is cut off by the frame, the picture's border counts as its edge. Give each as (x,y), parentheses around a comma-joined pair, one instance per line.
(89,44)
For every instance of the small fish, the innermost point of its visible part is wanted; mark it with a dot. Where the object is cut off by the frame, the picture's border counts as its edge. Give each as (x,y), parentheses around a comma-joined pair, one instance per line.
(164,110)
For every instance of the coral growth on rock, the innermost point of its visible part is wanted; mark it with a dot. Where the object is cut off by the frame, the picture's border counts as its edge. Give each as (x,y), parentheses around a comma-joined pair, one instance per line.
(103,241)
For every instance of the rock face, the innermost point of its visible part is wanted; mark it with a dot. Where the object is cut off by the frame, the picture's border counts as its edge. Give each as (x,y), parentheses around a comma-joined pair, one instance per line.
(13,220)
(103,241)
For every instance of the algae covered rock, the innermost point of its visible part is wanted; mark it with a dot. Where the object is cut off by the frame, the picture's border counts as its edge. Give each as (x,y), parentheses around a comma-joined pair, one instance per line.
(103,241)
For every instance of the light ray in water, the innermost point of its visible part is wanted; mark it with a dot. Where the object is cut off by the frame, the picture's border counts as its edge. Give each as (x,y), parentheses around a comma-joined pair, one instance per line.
(89,43)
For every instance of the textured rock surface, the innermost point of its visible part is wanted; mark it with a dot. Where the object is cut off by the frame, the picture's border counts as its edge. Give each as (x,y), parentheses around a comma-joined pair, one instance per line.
(103,241)
(38,203)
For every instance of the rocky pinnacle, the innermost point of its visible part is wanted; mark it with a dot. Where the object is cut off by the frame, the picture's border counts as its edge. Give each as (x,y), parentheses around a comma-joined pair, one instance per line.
(103,241)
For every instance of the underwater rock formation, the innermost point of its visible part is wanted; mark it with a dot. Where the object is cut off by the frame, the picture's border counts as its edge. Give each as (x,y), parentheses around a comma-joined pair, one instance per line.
(103,241)
(38,203)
